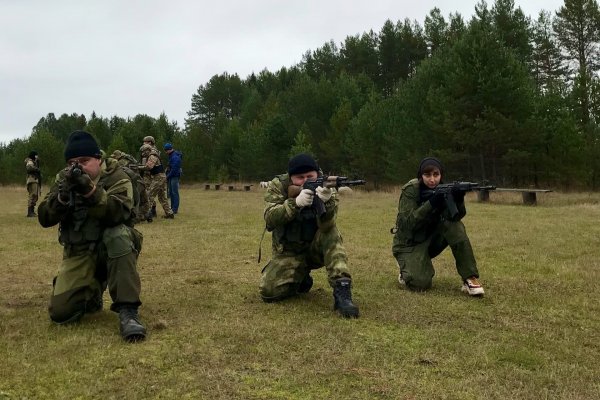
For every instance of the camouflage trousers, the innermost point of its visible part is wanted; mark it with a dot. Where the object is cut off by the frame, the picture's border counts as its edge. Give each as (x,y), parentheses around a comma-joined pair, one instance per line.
(281,277)
(88,269)
(158,187)
(32,194)
(144,206)
(415,263)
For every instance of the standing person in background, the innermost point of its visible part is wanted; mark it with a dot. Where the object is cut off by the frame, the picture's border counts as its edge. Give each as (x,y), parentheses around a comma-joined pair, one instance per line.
(173,174)
(158,179)
(34,182)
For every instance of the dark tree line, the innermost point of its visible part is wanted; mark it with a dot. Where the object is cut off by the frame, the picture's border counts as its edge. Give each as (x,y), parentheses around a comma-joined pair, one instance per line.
(500,97)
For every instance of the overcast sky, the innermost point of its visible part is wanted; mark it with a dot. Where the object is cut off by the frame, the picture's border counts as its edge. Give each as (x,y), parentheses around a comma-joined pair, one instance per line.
(144,57)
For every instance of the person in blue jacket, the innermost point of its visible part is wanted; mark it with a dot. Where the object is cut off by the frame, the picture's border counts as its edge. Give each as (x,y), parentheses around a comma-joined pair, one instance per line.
(173,174)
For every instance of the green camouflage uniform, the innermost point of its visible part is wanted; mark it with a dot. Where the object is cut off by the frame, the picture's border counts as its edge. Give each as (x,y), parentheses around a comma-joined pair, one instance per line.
(100,246)
(301,242)
(422,233)
(157,181)
(128,161)
(33,181)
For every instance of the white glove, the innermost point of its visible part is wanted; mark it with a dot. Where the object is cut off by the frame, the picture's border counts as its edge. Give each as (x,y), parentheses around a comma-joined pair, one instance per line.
(324,193)
(305,198)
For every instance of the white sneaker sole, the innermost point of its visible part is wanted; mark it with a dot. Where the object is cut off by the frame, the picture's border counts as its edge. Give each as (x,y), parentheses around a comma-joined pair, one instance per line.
(401,281)
(478,291)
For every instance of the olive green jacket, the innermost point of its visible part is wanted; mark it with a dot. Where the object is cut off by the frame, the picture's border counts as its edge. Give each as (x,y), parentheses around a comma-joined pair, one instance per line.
(111,204)
(417,219)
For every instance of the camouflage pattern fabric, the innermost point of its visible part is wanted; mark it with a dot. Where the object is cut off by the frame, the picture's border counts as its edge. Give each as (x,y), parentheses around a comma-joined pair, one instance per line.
(33,182)
(422,233)
(33,190)
(156,183)
(147,178)
(294,253)
(158,187)
(130,162)
(100,246)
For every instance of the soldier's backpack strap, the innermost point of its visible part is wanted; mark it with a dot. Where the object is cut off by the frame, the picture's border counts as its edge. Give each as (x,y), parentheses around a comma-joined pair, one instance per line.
(260,245)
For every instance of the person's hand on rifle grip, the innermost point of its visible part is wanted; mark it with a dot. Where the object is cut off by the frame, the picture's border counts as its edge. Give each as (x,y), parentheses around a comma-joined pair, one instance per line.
(305,198)
(437,200)
(459,195)
(324,193)
(64,192)
(82,184)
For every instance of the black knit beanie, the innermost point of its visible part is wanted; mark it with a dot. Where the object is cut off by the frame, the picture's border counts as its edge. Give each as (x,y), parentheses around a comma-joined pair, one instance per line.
(32,154)
(302,163)
(81,144)
(427,161)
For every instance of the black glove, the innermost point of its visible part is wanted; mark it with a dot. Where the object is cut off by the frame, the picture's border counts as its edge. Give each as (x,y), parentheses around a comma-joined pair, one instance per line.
(64,192)
(437,200)
(459,195)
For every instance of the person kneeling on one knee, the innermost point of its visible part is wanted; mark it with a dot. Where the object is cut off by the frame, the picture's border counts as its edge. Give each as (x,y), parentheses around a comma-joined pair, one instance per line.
(92,201)
(302,239)
(424,229)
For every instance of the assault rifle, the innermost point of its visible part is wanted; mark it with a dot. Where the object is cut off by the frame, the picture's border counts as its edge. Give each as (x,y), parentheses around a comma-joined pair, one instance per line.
(74,172)
(323,181)
(448,189)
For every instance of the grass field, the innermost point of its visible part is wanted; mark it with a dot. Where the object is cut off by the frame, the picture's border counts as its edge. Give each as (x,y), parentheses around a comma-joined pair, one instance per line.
(536,334)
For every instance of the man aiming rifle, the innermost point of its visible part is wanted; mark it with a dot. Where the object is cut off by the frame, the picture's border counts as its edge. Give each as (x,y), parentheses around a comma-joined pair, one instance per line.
(304,238)
(323,181)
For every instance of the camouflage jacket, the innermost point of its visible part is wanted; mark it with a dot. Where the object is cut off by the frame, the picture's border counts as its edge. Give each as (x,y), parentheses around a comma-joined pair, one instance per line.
(294,227)
(33,171)
(84,222)
(417,219)
(152,163)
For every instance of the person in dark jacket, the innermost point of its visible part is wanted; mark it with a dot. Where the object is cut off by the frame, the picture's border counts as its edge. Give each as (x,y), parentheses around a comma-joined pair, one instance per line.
(92,201)
(173,174)
(424,229)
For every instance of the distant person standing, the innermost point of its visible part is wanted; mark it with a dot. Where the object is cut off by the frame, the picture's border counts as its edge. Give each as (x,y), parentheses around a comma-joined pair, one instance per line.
(158,179)
(173,174)
(34,182)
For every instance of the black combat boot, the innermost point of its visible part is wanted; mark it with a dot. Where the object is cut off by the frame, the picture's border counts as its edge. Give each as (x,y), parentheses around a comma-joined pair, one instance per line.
(132,329)
(31,212)
(306,284)
(342,298)
(153,211)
